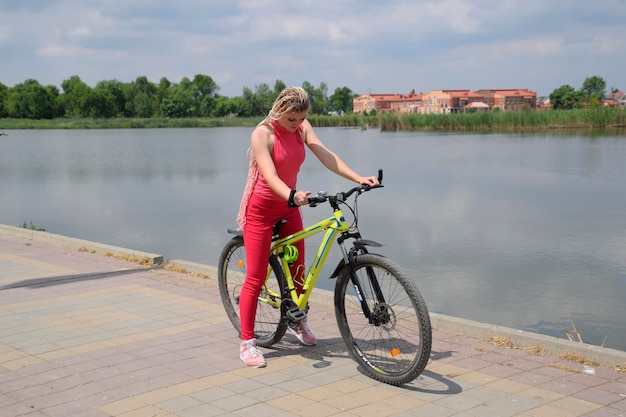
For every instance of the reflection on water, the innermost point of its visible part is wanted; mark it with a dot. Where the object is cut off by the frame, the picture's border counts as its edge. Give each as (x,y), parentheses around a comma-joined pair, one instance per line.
(522,230)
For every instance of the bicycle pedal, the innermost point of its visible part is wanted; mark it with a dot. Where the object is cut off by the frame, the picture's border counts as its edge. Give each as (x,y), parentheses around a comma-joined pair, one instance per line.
(294,316)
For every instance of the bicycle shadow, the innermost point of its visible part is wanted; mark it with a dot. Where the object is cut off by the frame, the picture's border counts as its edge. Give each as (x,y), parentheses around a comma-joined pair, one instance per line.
(327,351)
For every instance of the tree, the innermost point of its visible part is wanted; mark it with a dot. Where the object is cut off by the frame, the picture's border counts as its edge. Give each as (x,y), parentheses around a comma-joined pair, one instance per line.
(593,88)
(4,93)
(75,96)
(279,86)
(259,102)
(203,93)
(111,92)
(31,100)
(566,97)
(140,98)
(221,107)
(310,90)
(161,94)
(341,100)
(177,102)
(320,99)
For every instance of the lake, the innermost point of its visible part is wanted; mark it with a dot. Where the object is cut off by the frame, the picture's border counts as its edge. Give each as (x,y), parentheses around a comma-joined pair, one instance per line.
(521,230)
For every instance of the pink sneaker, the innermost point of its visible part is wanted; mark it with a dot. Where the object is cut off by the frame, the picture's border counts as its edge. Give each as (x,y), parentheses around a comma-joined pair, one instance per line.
(252,356)
(303,333)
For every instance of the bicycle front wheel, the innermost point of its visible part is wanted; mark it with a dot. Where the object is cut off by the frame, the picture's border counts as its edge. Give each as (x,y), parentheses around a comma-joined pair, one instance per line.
(269,328)
(383,319)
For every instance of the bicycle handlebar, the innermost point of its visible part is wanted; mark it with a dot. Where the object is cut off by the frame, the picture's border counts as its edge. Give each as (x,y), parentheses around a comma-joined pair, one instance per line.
(322,197)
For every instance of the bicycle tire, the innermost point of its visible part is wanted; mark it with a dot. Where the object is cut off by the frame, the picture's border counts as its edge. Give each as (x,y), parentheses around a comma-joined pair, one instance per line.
(269,327)
(396,349)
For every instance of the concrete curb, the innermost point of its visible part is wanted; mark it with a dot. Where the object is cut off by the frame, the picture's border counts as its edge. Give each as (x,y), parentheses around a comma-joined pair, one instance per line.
(520,339)
(79,244)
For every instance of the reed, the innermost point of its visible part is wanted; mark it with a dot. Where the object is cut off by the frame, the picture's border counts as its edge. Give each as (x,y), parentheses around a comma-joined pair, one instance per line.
(125,123)
(594,118)
(507,121)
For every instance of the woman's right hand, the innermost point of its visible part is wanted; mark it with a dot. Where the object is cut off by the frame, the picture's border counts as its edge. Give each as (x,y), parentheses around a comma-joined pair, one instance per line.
(300,198)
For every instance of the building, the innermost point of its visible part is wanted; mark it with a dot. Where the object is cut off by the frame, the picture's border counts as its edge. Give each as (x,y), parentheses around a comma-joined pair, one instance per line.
(510,99)
(404,103)
(615,99)
(543,103)
(437,102)
(464,100)
(447,101)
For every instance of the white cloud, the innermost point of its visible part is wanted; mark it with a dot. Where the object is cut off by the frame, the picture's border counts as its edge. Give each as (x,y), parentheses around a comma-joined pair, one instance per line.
(4,33)
(456,13)
(79,32)
(389,46)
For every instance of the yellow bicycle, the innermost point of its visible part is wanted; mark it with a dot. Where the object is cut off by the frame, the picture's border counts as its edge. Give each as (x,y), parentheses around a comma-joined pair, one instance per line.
(380,313)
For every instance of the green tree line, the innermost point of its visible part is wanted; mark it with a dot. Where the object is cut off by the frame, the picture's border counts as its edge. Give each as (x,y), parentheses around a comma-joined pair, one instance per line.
(197,97)
(590,94)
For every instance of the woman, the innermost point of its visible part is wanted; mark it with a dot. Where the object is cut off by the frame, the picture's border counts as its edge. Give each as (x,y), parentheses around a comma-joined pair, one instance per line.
(276,154)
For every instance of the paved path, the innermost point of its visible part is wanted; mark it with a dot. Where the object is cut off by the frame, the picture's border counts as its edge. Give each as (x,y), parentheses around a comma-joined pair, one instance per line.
(89,335)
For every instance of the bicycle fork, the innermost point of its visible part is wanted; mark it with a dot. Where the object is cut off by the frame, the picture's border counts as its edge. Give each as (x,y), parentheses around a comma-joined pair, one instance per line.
(380,315)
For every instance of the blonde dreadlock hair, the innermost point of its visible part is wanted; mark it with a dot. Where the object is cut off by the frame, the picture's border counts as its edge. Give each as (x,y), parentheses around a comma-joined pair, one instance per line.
(291,99)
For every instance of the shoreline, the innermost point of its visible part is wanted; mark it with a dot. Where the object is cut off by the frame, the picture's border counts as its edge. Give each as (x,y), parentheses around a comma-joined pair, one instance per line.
(611,119)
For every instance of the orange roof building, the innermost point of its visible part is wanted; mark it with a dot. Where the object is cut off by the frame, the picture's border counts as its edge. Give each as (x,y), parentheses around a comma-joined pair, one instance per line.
(447,101)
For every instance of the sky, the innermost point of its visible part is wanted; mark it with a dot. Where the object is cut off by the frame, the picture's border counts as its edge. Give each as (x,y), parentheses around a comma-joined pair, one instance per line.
(369,46)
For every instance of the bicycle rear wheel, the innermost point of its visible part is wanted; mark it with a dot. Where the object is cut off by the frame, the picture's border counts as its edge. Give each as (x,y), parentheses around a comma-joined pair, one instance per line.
(393,344)
(269,327)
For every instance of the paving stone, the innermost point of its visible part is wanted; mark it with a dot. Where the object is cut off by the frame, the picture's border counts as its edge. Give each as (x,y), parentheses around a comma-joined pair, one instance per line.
(85,335)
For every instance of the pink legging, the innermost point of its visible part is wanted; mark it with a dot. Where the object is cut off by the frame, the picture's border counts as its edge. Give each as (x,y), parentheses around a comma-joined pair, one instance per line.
(261,215)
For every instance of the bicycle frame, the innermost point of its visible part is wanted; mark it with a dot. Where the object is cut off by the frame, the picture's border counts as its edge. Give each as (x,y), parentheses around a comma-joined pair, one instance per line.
(332,225)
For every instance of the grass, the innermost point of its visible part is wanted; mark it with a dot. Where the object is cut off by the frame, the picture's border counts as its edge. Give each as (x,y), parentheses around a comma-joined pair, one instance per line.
(31,226)
(595,118)
(141,260)
(125,123)
(171,266)
(539,351)
(501,342)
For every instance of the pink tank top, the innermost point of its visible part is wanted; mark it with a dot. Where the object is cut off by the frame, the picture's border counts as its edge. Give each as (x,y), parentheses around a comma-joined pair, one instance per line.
(288,155)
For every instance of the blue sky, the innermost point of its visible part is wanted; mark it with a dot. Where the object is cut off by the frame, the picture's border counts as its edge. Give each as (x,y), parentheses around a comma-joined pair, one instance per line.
(378,46)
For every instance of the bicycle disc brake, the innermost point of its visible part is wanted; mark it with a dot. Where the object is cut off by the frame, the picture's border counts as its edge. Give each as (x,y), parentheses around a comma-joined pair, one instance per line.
(383,315)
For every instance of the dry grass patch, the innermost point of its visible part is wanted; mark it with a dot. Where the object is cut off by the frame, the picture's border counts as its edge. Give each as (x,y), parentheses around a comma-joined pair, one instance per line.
(141,260)
(536,350)
(564,368)
(572,357)
(170,266)
(501,342)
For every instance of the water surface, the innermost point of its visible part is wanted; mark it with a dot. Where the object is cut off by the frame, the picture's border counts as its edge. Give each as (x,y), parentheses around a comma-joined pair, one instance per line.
(521,230)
